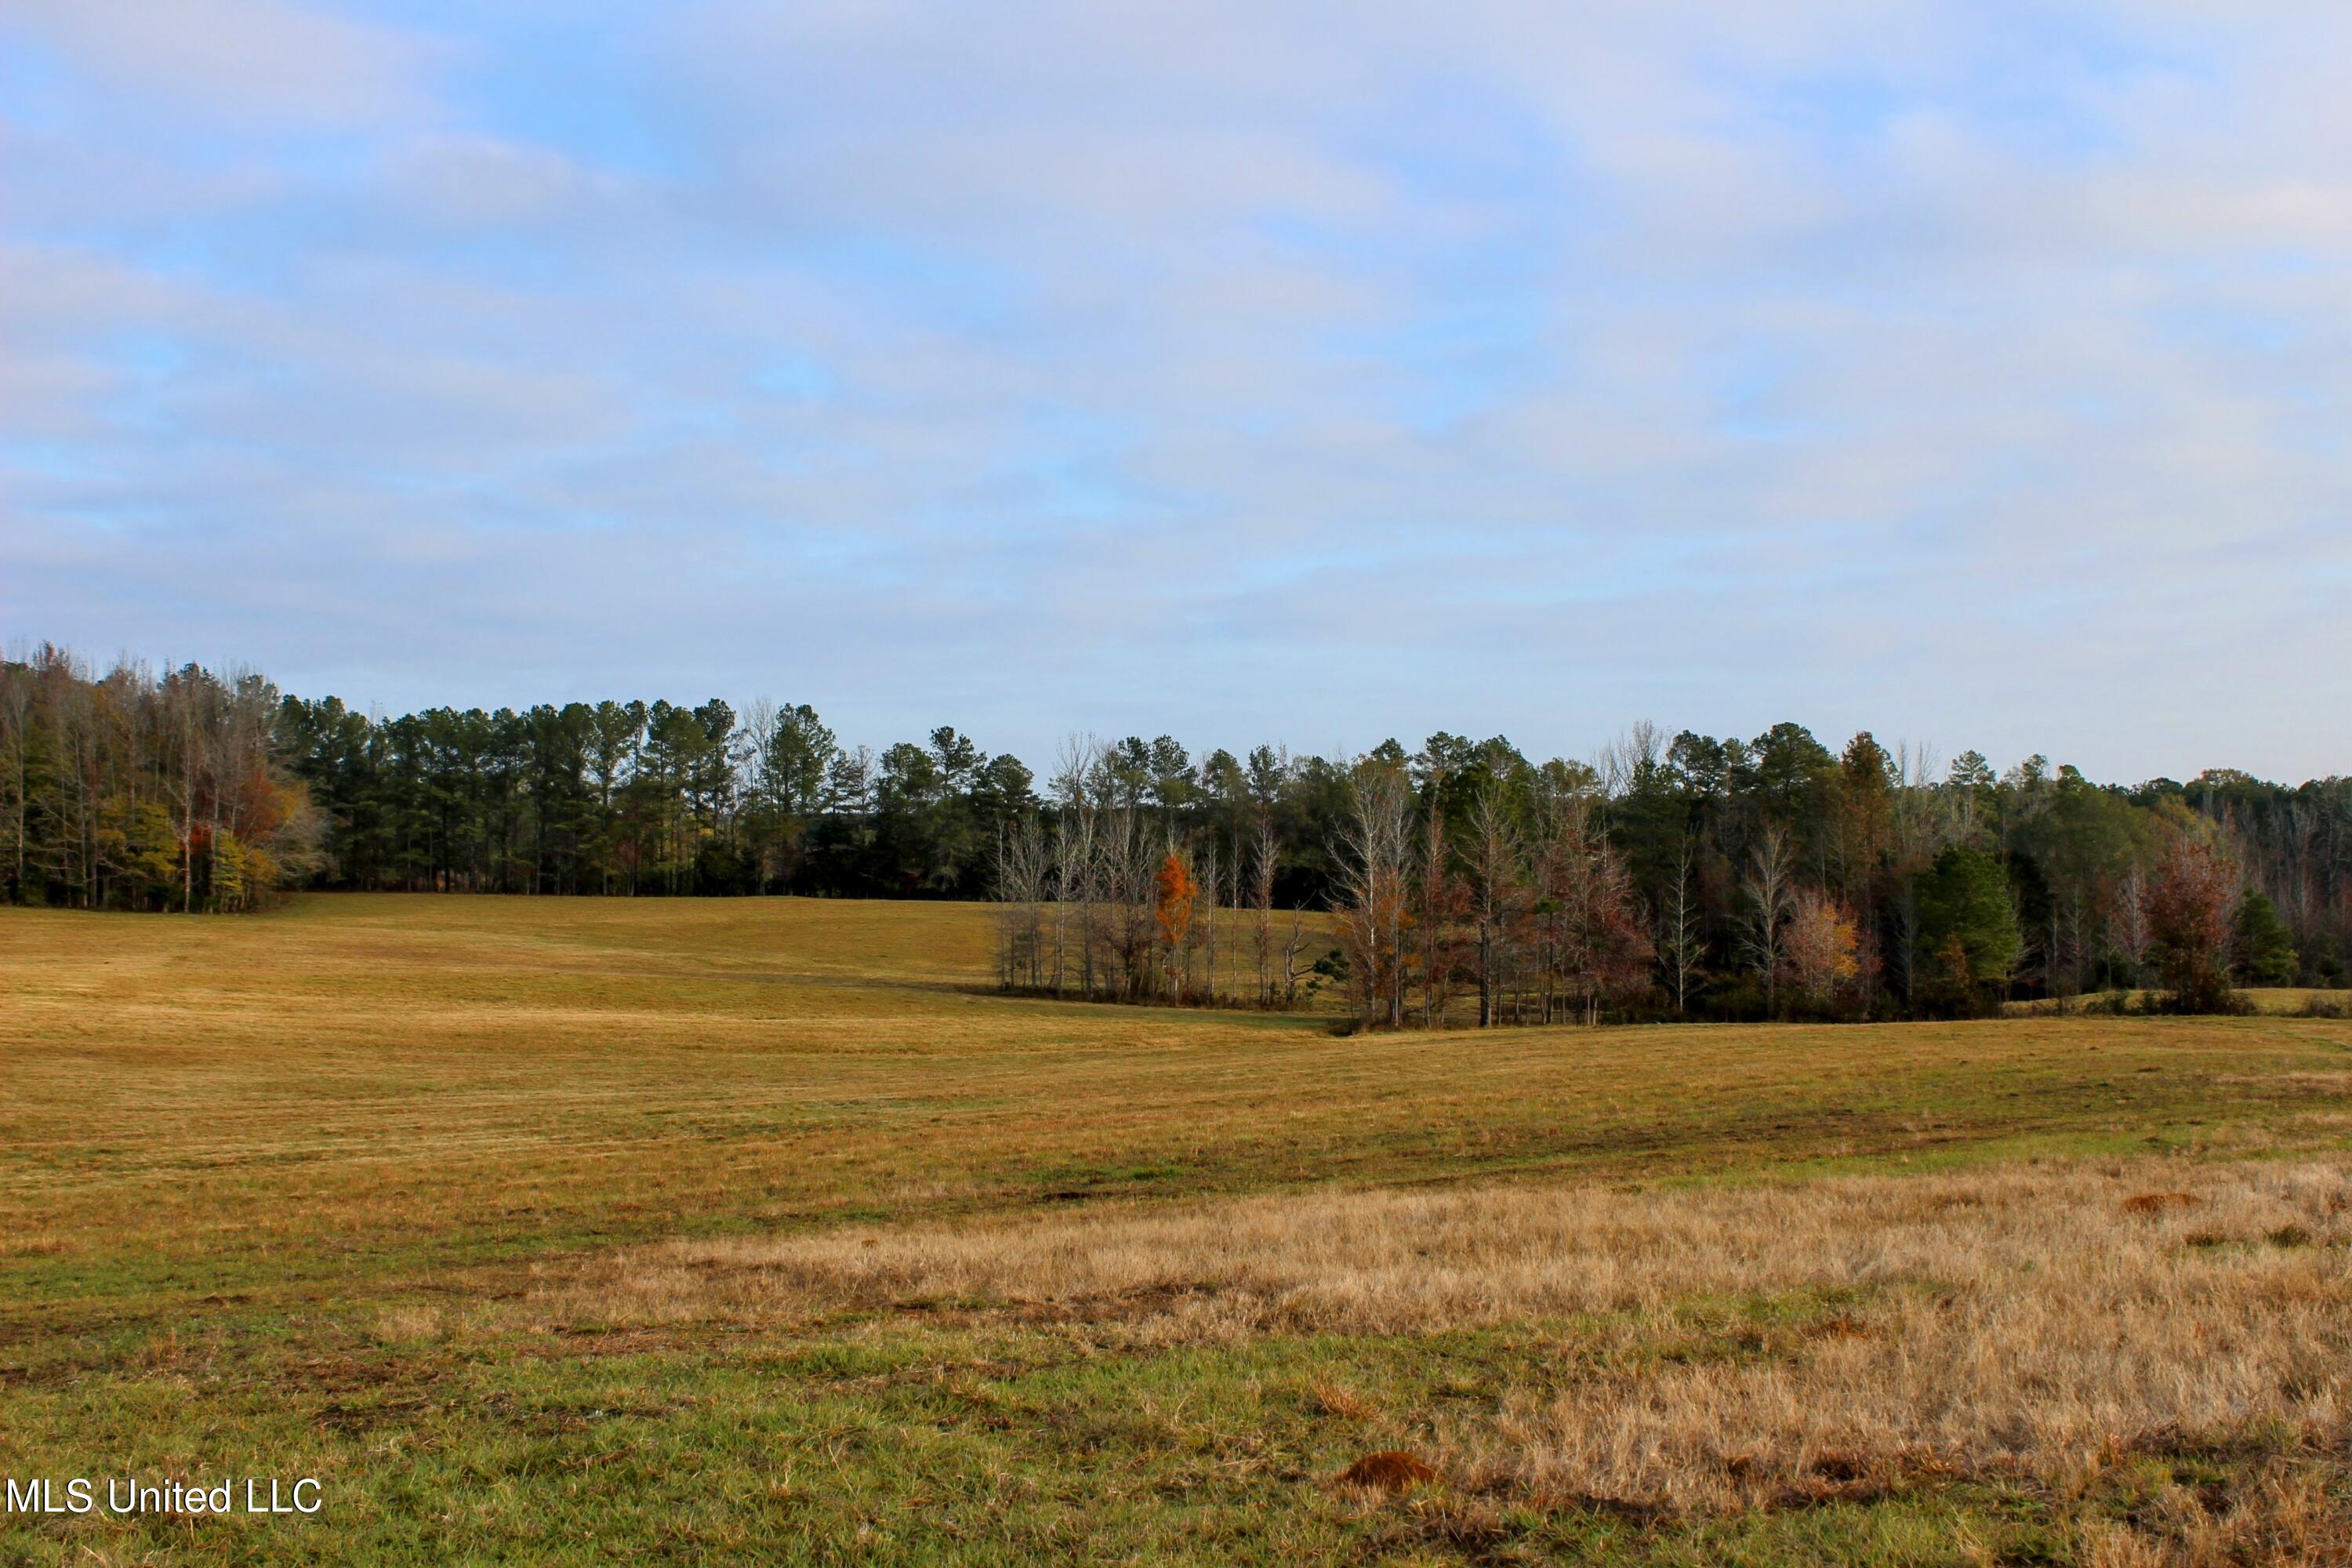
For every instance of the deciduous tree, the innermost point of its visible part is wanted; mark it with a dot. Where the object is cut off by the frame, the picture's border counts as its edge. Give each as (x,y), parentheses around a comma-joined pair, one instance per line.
(2191,902)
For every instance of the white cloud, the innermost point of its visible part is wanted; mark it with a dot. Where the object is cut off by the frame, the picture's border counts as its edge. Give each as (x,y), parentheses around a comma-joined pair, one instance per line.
(244,60)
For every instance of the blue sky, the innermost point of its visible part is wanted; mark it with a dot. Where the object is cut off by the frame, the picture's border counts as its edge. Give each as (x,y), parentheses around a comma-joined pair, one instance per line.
(1975,373)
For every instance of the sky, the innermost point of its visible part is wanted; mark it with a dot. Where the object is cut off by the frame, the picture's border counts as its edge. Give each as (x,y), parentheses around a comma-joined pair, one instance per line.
(1975,373)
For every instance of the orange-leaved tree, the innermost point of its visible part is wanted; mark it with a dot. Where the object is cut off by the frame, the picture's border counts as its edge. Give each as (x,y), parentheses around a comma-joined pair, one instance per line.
(1822,946)
(1176,889)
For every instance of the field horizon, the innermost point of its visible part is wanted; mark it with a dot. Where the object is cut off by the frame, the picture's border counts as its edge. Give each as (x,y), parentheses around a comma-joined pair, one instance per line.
(558,1229)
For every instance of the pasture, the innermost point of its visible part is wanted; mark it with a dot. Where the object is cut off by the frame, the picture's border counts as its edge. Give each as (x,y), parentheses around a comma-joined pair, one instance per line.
(570,1230)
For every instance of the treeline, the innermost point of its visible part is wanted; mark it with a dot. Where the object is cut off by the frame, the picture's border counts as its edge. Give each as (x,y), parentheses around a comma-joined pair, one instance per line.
(1677,874)
(1688,877)
(127,791)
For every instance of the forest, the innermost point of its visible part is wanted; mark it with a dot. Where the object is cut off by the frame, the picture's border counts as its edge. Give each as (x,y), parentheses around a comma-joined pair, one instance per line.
(1669,876)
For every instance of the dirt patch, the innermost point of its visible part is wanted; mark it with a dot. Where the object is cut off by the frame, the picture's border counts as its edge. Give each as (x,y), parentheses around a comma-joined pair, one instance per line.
(1390,1470)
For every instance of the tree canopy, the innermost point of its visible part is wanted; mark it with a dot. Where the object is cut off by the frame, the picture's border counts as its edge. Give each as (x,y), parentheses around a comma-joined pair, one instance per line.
(1890,886)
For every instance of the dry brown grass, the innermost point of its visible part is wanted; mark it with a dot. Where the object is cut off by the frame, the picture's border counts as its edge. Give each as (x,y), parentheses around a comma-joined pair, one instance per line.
(420,1081)
(2026,1320)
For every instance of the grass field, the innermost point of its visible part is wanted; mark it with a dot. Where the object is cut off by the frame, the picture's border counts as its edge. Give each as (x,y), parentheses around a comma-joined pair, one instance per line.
(575,1231)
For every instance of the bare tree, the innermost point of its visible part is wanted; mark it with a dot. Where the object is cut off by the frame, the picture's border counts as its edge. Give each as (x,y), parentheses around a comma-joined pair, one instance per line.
(1124,863)
(1771,890)
(1493,854)
(1435,917)
(15,721)
(1263,854)
(1555,857)
(1211,896)
(1682,929)
(1294,946)
(1605,950)
(1629,757)
(2132,928)
(2067,961)
(1023,863)
(1376,850)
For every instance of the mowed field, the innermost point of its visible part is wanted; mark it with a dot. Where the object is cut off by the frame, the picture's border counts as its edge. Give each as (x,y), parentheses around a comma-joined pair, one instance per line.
(580,1231)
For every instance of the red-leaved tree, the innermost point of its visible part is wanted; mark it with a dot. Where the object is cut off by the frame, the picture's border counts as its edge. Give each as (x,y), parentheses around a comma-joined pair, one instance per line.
(2190,904)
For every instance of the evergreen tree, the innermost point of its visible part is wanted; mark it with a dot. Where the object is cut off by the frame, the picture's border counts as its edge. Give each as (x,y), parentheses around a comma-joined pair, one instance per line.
(1968,926)
(2261,945)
